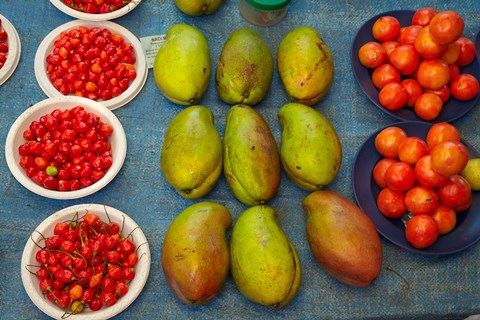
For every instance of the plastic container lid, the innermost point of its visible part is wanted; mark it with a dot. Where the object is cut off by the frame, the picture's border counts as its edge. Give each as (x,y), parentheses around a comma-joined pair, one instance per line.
(14,50)
(46,47)
(268,4)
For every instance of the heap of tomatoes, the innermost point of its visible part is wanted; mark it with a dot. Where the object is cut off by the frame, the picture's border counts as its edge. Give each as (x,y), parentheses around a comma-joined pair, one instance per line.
(3,45)
(420,178)
(85,263)
(96,6)
(418,66)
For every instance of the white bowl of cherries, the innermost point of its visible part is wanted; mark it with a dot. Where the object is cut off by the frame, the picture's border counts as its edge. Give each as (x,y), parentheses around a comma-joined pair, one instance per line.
(99,10)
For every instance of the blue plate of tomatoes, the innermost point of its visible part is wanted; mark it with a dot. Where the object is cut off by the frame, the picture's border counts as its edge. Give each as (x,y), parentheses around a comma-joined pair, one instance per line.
(467,229)
(452,110)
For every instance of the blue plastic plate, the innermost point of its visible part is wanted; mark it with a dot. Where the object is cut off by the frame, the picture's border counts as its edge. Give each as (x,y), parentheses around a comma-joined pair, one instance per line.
(477,44)
(467,230)
(452,110)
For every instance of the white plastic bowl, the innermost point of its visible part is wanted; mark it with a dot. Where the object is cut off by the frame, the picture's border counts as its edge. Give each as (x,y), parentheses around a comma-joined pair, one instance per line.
(14,50)
(46,47)
(15,138)
(97,16)
(142,269)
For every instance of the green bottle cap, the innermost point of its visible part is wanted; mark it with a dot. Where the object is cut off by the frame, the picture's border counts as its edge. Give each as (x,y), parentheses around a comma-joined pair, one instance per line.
(268,4)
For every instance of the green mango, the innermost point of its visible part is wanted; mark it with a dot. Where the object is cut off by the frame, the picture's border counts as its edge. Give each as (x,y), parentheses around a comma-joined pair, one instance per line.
(264,263)
(310,150)
(245,68)
(198,7)
(342,238)
(182,66)
(195,253)
(251,163)
(305,65)
(191,156)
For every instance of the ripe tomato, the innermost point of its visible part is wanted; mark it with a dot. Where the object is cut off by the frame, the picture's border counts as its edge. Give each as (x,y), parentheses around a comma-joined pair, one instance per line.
(389,46)
(441,132)
(421,231)
(372,54)
(443,93)
(423,16)
(454,71)
(388,140)
(409,33)
(433,74)
(449,158)
(405,59)
(446,27)
(421,200)
(385,74)
(465,87)
(393,96)
(467,51)
(400,176)
(391,203)
(445,217)
(414,90)
(411,150)
(426,175)
(452,53)
(428,106)
(426,47)
(386,28)
(455,193)
(380,169)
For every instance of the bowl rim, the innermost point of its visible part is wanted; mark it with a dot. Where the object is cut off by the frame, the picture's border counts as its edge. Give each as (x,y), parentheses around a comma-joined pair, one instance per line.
(140,64)
(142,267)
(95,16)
(69,101)
(14,50)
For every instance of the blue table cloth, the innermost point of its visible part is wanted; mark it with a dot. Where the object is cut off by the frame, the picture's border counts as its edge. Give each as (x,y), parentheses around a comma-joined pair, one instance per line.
(446,287)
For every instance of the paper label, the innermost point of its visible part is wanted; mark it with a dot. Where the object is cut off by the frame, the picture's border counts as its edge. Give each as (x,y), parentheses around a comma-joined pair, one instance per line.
(150,47)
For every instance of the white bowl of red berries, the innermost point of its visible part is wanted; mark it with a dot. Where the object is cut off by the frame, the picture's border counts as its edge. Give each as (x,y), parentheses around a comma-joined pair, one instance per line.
(88,261)
(65,147)
(10,49)
(99,10)
(101,61)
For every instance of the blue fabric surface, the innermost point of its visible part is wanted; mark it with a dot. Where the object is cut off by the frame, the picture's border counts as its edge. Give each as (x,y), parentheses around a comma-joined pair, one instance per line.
(439,287)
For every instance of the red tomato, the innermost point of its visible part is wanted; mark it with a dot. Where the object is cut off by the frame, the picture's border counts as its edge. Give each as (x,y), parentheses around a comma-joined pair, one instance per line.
(443,93)
(393,96)
(465,87)
(388,140)
(445,217)
(421,200)
(467,51)
(441,132)
(386,28)
(385,74)
(421,231)
(380,169)
(428,106)
(372,54)
(449,158)
(389,46)
(409,33)
(433,74)
(452,53)
(455,193)
(391,203)
(400,176)
(426,47)
(446,27)
(411,150)
(426,175)
(414,90)
(405,59)
(423,16)
(454,71)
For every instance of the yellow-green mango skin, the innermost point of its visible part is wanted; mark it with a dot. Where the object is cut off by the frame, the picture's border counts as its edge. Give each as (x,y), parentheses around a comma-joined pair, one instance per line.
(310,150)
(342,238)
(191,157)
(245,68)
(264,263)
(195,253)
(198,7)
(305,65)
(251,162)
(182,66)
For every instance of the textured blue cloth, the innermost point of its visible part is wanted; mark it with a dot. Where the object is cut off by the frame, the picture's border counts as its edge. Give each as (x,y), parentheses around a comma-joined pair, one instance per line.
(439,287)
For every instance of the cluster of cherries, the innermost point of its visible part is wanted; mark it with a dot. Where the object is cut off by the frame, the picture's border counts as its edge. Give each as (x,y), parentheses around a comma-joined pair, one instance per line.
(3,45)
(86,262)
(96,6)
(66,150)
(91,62)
